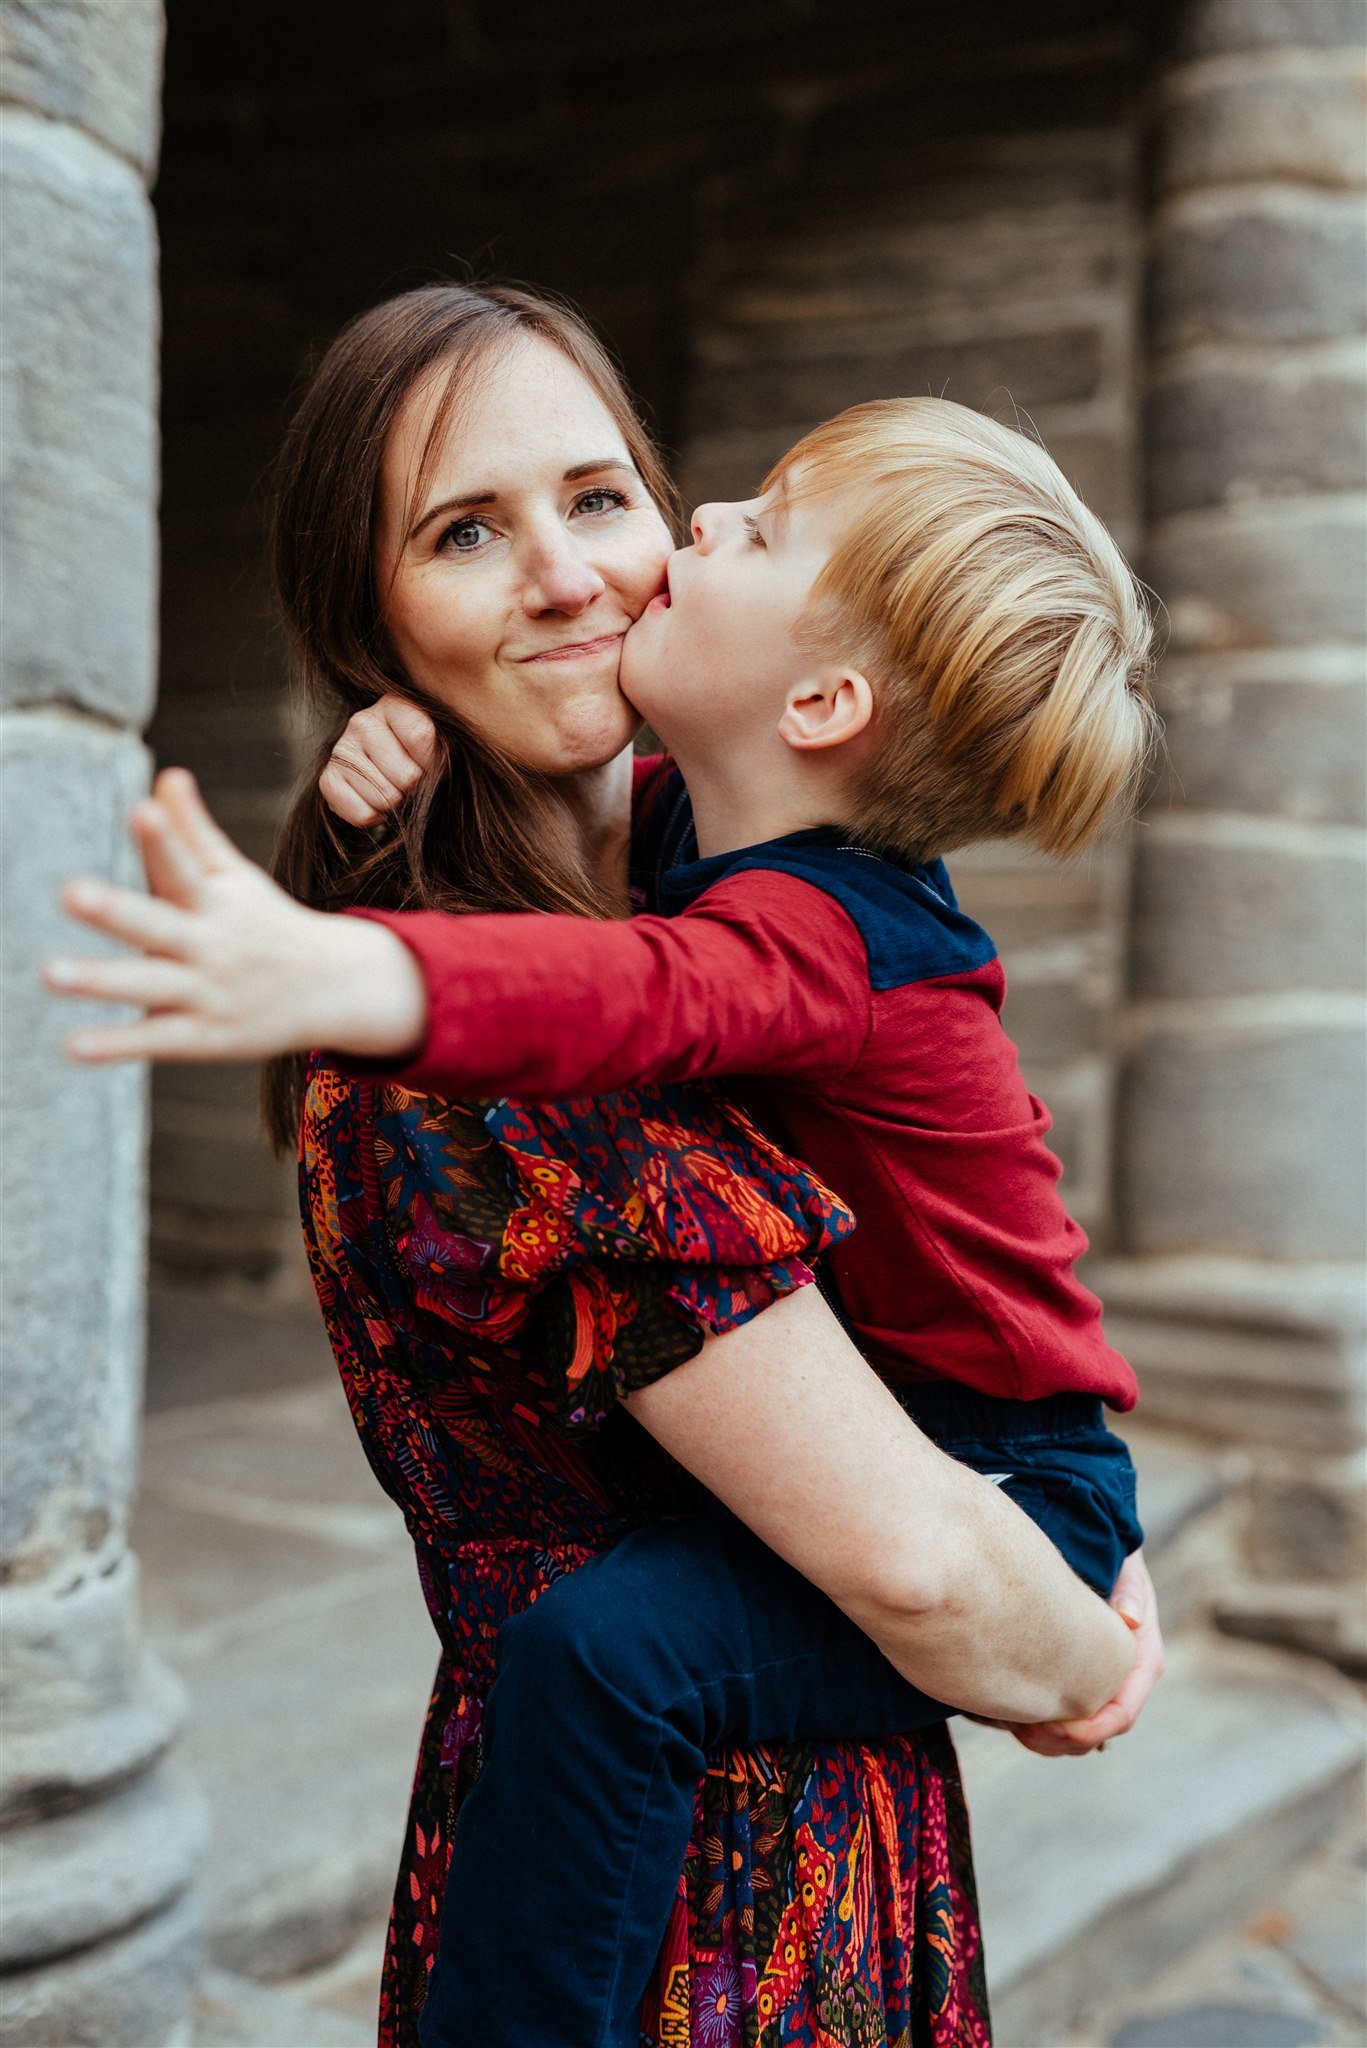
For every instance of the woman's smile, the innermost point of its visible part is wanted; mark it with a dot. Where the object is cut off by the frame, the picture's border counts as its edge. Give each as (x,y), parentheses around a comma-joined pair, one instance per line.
(579,650)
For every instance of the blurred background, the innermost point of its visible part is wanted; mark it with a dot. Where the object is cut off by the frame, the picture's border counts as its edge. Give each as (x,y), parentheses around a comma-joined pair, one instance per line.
(1138,227)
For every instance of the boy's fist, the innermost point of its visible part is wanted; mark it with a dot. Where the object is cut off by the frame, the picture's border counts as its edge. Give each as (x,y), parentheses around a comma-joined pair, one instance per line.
(378,759)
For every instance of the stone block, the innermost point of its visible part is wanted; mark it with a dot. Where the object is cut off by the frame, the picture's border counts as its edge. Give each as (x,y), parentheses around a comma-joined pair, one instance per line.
(1066,362)
(77,423)
(71,1164)
(1239,1379)
(217,1165)
(1246,912)
(1056,1018)
(1262,575)
(1290,424)
(1286,741)
(94,63)
(77,1878)
(1301,124)
(1320,1621)
(232,2012)
(1243,1141)
(1278,266)
(1308,1524)
(1216,28)
(132,1993)
(1091,1881)
(81,1705)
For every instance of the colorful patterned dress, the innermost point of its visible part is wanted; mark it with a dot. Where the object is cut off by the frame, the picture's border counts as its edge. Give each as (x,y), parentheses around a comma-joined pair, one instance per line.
(493,1278)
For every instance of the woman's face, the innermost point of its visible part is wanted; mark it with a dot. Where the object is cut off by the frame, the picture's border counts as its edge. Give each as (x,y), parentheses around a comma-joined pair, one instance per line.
(507,587)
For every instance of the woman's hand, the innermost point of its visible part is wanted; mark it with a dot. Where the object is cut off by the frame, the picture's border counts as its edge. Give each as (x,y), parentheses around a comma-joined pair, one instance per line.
(225,965)
(1134,1600)
(378,759)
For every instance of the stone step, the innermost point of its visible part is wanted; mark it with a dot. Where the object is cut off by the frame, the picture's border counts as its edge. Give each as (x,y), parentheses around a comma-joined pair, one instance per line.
(232,2012)
(1097,1873)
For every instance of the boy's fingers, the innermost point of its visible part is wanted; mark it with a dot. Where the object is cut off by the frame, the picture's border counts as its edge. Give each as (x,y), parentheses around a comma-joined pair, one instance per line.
(414,728)
(142,921)
(172,871)
(152,983)
(172,1036)
(339,794)
(178,790)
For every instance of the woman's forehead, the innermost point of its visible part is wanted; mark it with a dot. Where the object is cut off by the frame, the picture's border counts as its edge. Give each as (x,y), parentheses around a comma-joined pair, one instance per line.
(524,410)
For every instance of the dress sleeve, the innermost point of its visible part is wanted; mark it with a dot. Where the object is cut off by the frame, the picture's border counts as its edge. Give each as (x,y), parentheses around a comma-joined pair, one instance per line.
(625,1228)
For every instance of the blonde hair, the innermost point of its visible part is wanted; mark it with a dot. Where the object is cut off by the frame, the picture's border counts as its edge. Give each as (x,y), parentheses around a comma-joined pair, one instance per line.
(1006,639)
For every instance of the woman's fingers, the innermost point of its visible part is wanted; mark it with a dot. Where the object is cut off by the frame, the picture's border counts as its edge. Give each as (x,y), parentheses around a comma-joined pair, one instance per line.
(142,921)
(149,981)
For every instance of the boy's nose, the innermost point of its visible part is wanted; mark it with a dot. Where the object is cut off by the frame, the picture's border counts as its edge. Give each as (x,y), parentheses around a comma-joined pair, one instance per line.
(706,525)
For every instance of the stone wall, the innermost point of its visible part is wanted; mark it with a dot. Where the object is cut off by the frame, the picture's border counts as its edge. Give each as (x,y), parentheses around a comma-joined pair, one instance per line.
(1240,1184)
(770,214)
(101,1838)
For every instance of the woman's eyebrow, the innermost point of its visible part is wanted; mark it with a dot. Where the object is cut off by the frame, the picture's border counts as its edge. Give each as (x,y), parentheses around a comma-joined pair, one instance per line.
(470,501)
(466,502)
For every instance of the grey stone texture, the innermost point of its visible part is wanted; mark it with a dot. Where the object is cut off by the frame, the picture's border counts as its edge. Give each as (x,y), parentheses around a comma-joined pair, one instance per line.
(1308,1522)
(1257,426)
(1232,1772)
(1281,265)
(79,1878)
(93,63)
(1208,28)
(1270,574)
(1279,734)
(78,433)
(133,1993)
(282,1588)
(1243,1140)
(1298,117)
(73,1182)
(1250,910)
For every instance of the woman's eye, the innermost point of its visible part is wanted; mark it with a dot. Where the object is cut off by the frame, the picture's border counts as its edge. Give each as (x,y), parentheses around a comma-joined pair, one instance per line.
(465,535)
(601,500)
(752,529)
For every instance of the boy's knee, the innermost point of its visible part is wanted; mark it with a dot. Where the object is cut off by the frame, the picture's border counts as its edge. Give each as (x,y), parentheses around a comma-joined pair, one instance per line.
(590,1637)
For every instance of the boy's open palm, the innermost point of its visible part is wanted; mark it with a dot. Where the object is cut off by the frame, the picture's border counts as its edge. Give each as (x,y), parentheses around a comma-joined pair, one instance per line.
(224,965)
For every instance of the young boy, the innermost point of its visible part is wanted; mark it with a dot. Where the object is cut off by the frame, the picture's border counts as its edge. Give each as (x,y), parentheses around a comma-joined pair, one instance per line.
(916,637)
(920,632)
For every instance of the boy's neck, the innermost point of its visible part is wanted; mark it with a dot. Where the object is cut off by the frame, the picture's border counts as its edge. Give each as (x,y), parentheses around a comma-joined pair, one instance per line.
(733,810)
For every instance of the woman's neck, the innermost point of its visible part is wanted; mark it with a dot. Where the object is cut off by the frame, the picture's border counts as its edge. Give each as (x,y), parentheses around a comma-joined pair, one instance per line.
(599,802)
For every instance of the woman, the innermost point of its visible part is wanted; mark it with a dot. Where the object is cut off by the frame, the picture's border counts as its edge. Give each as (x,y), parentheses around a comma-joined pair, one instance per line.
(468,511)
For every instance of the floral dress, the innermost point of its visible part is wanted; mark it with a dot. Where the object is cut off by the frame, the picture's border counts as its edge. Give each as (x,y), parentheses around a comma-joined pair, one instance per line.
(493,1278)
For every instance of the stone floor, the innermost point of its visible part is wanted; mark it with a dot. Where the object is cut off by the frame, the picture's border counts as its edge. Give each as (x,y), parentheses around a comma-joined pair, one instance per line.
(278,1580)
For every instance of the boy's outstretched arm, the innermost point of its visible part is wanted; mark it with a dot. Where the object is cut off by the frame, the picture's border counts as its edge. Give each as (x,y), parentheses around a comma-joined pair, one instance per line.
(225,965)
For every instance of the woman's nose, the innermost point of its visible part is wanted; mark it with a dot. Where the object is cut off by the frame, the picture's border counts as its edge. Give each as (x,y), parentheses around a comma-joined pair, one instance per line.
(560,580)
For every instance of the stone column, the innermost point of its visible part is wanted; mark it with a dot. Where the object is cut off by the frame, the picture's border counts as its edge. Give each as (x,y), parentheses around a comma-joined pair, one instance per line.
(101,1836)
(1240,1132)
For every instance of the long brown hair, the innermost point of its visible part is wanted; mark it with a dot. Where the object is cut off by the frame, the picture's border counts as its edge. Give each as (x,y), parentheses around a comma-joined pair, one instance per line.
(478,832)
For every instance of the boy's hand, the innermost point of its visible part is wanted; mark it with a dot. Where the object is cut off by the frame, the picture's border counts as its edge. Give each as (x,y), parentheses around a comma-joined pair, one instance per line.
(379,757)
(1133,1599)
(225,965)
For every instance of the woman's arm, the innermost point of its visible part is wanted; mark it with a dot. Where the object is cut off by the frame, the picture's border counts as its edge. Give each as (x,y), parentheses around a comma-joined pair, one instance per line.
(788,1425)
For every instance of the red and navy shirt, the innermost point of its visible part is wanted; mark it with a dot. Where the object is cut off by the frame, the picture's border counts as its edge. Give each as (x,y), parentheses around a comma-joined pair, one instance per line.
(860,1008)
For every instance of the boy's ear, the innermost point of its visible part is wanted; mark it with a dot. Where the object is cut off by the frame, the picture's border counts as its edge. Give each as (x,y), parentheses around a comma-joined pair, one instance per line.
(826,710)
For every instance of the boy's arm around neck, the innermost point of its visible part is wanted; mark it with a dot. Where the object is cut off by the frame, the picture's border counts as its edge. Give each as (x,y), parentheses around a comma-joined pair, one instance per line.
(763,974)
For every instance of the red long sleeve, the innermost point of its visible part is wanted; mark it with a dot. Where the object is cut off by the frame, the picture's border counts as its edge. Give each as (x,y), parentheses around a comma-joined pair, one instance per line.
(765,975)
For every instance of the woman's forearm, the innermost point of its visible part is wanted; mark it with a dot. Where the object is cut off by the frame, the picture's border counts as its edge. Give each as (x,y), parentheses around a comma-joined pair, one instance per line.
(788,1425)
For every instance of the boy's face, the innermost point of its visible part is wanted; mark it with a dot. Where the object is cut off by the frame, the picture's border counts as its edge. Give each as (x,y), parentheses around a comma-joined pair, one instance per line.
(718,650)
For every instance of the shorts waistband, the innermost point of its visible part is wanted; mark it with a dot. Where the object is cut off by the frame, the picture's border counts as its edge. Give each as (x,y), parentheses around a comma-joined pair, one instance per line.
(944,1409)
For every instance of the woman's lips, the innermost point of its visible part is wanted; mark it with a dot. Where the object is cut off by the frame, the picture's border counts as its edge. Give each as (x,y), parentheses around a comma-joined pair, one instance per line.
(578,650)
